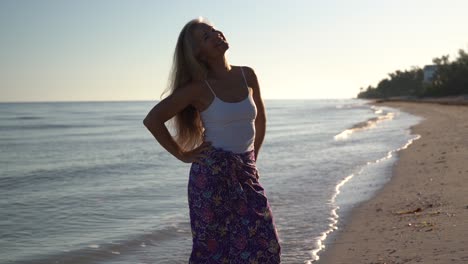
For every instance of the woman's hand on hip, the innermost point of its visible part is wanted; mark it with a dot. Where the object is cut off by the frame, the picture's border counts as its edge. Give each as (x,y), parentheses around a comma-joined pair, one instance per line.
(195,155)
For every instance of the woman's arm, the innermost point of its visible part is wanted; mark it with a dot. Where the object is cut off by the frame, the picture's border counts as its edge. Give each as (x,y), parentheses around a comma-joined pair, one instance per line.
(165,110)
(260,120)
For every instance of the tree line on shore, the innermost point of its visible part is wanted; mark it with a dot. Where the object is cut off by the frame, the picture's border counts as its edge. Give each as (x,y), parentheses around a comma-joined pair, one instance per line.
(450,78)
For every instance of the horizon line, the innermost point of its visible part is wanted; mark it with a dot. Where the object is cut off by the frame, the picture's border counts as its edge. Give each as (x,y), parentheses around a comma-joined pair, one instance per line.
(148,100)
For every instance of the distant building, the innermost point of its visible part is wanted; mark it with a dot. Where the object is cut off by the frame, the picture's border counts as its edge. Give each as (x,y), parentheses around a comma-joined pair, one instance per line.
(429,71)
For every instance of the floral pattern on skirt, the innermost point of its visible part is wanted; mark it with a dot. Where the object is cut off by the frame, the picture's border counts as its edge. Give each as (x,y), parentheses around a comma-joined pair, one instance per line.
(230,215)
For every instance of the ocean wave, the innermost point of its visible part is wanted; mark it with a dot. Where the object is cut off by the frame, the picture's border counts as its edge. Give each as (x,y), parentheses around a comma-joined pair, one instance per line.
(368,124)
(349,106)
(26,118)
(96,251)
(42,127)
(60,175)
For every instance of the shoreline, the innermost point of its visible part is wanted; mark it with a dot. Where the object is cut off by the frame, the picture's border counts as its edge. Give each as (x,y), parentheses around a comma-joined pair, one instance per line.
(449,100)
(420,215)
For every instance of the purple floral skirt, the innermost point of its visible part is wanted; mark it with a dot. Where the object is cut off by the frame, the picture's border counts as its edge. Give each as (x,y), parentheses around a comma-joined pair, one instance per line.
(230,215)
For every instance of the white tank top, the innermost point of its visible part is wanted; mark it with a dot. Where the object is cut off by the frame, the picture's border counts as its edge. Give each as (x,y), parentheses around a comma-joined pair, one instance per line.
(230,126)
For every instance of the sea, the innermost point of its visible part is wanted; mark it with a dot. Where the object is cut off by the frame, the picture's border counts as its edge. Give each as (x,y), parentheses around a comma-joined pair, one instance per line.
(86,182)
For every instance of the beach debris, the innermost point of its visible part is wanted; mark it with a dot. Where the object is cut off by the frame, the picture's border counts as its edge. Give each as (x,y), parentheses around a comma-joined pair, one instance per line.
(422,225)
(409,211)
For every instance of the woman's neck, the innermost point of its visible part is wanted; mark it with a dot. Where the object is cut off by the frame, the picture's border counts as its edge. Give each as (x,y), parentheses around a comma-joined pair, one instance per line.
(219,69)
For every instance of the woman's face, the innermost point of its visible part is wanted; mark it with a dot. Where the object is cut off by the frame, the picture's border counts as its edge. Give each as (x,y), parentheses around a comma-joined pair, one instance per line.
(211,42)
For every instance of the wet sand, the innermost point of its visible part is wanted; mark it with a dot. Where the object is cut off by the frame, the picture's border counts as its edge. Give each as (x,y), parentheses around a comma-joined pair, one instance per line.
(421,215)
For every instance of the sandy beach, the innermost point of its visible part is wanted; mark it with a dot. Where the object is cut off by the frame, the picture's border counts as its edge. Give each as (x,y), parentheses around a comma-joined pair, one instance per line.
(421,215)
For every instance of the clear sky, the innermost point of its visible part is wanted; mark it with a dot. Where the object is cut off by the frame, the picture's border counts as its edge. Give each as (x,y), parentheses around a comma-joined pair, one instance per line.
(122,50)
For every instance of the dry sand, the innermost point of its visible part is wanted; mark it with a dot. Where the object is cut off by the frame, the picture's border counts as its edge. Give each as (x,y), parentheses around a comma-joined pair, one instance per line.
(421,215)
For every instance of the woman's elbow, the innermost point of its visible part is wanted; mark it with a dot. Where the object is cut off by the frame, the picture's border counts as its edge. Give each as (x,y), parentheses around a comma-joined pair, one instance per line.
(147,122)
(151,122)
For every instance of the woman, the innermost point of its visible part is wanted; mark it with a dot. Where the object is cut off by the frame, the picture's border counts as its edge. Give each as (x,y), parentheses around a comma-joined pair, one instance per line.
(220,123)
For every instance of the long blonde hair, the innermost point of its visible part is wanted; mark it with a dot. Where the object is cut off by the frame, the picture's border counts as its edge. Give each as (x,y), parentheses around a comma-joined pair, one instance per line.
(187,68)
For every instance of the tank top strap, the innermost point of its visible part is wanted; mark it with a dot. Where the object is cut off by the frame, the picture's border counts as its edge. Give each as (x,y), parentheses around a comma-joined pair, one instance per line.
(243,75)
(209,86)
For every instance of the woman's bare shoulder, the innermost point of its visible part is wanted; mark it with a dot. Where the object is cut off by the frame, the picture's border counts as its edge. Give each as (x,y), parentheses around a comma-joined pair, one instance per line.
(192,89)
(246,69)
(196,91)
(250,75)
